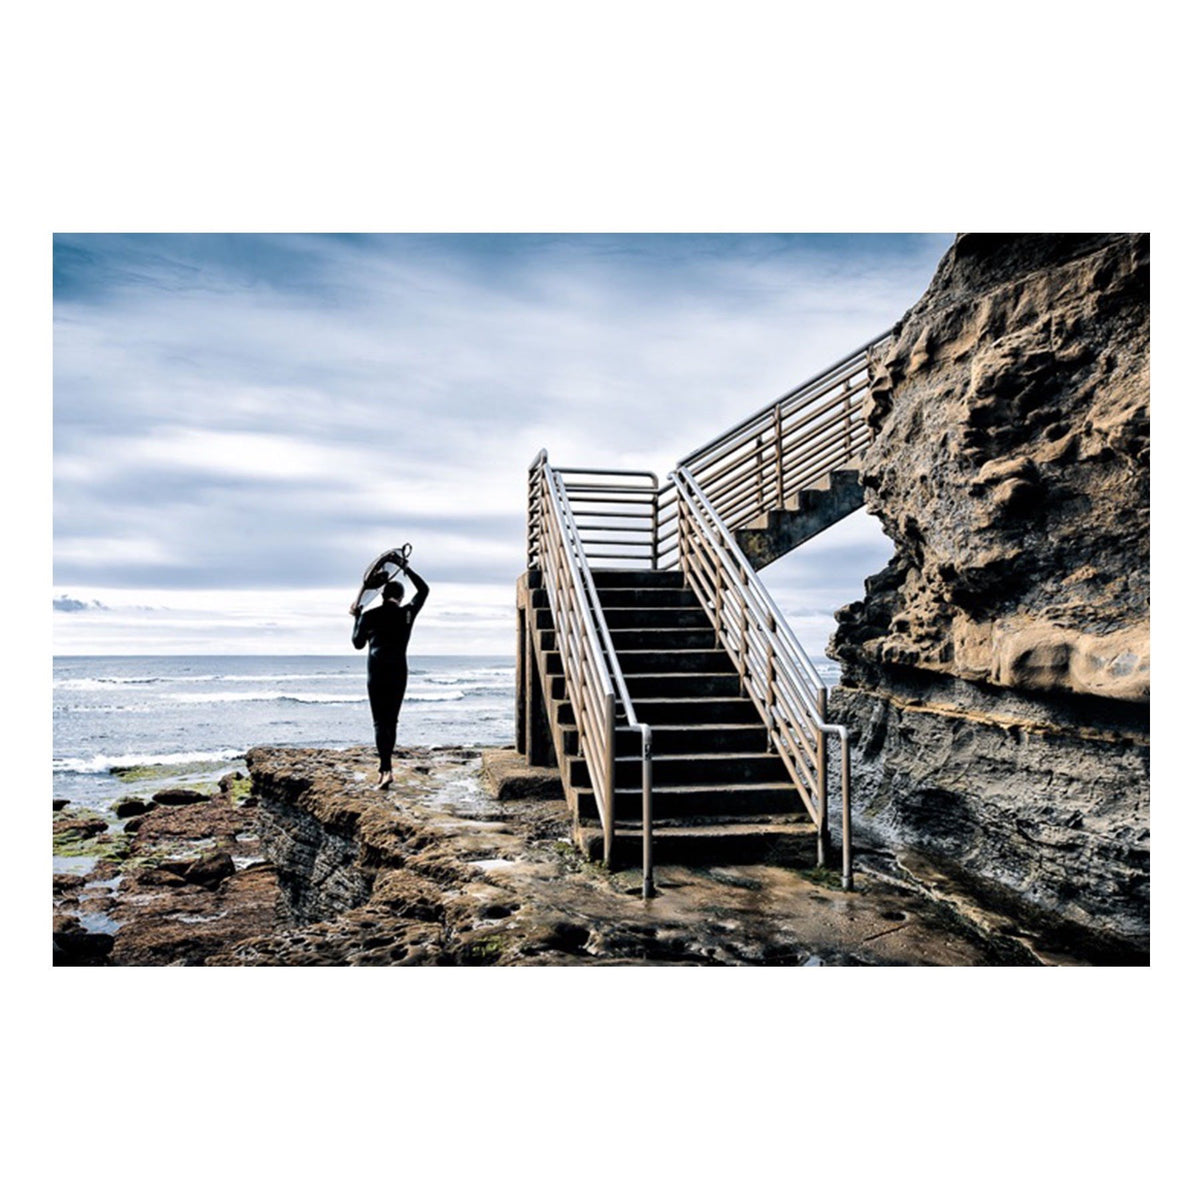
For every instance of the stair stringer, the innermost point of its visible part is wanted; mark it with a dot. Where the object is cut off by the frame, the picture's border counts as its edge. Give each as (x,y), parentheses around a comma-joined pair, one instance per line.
(805,514)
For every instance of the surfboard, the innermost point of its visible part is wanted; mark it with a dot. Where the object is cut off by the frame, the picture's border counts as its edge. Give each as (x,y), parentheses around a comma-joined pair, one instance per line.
(381,572)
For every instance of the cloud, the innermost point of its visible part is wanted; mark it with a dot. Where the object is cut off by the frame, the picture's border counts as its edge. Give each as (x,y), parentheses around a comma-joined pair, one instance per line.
(65,603)
(247,412)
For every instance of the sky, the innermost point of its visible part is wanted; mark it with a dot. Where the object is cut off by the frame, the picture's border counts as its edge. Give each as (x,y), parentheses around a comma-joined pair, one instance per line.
(243,421)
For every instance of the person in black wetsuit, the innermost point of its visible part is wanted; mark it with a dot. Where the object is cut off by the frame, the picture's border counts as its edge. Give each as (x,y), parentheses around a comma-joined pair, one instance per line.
(387,629)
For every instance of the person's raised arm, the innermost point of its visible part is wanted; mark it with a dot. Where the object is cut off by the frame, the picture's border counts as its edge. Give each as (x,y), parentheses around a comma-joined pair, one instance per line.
(359,636)
(421,589)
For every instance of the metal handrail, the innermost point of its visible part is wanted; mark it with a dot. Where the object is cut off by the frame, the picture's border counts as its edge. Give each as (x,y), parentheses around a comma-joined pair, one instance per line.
(738,476)
(787,445)
(777,674)
(579,625)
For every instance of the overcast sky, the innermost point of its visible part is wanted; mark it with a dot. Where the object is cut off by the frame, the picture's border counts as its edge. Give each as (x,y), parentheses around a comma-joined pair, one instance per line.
(242,421)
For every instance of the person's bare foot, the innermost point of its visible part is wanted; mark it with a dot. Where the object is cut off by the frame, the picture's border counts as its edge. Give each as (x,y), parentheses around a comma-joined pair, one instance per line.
(385,780)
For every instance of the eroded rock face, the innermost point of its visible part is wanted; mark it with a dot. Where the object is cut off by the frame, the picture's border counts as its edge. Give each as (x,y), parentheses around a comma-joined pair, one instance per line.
(1010,465)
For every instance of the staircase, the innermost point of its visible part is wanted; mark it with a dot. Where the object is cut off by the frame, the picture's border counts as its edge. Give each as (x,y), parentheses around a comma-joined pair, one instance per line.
(720,793)
(654,669)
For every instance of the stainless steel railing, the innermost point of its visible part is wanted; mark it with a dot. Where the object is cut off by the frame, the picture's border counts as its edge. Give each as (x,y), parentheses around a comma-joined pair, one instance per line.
(788,444)
(594,681)
(617,520)
(578,515)
(776,673)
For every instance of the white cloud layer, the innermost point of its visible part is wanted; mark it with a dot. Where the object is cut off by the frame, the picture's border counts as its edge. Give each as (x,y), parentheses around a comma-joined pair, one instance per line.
(241,423)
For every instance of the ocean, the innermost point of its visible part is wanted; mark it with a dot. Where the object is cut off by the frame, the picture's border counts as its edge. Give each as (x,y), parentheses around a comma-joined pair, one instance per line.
(126,725)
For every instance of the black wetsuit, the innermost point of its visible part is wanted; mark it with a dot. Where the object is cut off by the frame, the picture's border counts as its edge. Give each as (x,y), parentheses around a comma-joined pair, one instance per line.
(387,629)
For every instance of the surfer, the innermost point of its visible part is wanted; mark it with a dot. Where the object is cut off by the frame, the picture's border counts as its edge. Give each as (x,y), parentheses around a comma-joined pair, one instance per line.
(387,630)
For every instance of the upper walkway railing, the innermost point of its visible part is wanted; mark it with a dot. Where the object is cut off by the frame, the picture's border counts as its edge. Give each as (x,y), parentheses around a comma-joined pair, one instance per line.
(789,444)
(594,681)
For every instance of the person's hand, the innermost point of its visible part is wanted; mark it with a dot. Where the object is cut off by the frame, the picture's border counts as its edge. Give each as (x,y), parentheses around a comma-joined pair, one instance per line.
(355,610)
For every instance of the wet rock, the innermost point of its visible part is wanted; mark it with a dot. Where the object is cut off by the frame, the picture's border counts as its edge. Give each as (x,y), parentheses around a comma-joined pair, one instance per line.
(168,875)
(75,947)
(81,827)
(178,796)
(67,883)
(208,870)
(447,884)
(187,926)
(59,804)
(235,787)
(132,806)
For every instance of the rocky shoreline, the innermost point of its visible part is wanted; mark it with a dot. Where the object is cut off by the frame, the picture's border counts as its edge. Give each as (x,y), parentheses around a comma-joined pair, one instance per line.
(466,862)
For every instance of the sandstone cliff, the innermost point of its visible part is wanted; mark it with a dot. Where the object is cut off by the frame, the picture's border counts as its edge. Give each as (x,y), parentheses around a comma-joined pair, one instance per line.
(998,670)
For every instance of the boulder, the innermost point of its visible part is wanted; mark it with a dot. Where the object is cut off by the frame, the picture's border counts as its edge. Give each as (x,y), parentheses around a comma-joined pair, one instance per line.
(133,806)
(209,870)
(81,827)
(75,947)
(179,796)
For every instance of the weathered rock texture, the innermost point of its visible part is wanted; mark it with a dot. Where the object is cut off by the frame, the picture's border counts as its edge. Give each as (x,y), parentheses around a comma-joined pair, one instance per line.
(440,871)
(998,670)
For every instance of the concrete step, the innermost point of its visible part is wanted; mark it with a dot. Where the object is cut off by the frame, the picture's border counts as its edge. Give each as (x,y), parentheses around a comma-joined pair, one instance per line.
(696,710)
(661,685)
(681,739)
(645,618)
(673,662)
(692,770)
(649,639)
(646,688)
(806,513)
(700,805)
(641,597)
(676,710)
(621,577)
(704,638)
(844,479)
(659,662)
(782,842)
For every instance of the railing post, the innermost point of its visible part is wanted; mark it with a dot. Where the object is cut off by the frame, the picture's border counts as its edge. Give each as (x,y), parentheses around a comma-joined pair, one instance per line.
(654,532)
(647,814)
(770,678)
(847,863)
(822,784)
(846,389)
(779,455)
(761,496)
(743,633)
(610,770)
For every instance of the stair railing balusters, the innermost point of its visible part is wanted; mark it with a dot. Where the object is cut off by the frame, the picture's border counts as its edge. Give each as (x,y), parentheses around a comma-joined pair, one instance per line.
(770,681)
(822,412)
(606,665)
(779,456)
(846,389)
(822,783)
(801,703)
